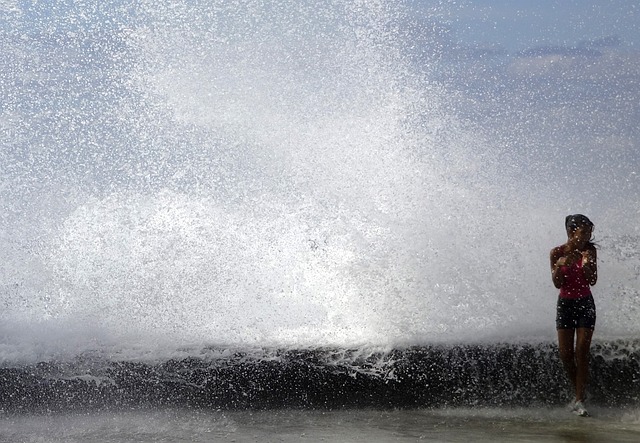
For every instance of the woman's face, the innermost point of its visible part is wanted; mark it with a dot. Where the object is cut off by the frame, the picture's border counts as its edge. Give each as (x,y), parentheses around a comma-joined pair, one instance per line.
(581,236)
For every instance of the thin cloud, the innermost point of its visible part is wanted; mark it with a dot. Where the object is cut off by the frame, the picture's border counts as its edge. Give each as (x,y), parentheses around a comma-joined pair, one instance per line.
(582,63)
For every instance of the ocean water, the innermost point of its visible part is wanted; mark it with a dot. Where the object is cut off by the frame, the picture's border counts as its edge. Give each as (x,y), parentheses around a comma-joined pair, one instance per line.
(245,212)
(457,425)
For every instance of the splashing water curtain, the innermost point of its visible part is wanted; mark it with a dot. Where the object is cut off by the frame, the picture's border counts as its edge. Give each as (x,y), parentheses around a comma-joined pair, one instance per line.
(275,182)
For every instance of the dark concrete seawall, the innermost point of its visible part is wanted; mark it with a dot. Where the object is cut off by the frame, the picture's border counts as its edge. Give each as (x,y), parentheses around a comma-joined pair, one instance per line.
(327,378)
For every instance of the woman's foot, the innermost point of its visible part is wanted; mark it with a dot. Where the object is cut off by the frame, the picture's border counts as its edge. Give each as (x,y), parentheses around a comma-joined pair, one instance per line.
(579,409)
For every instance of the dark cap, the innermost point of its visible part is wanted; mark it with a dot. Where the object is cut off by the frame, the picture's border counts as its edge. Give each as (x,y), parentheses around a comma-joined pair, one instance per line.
(575,221)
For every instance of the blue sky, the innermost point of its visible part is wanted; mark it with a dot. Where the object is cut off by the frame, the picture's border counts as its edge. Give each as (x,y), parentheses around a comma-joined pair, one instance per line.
(521,24)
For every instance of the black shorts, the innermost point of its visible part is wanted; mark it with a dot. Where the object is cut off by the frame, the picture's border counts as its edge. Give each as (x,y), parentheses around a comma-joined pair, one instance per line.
(576,313)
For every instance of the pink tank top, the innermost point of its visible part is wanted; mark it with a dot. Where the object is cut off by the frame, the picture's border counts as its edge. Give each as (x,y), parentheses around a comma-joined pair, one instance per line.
(575,283)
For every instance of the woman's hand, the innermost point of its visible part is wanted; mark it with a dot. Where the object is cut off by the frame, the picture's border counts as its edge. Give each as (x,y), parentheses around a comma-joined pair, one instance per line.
(588,257)
(570,258)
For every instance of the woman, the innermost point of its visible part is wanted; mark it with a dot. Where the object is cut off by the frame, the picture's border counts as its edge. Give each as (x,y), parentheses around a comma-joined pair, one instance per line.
(574,270)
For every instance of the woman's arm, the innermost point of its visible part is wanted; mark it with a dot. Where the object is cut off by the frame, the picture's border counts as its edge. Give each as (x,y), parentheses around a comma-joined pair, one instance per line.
(590,265)
(557,261)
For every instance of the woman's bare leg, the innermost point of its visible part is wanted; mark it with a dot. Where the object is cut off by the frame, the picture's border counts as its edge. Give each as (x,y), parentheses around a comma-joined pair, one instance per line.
(583,343)
(567,354)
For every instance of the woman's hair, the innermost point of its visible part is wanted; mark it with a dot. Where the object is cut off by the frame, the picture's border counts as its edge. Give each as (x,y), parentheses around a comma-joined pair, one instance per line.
(575,221)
